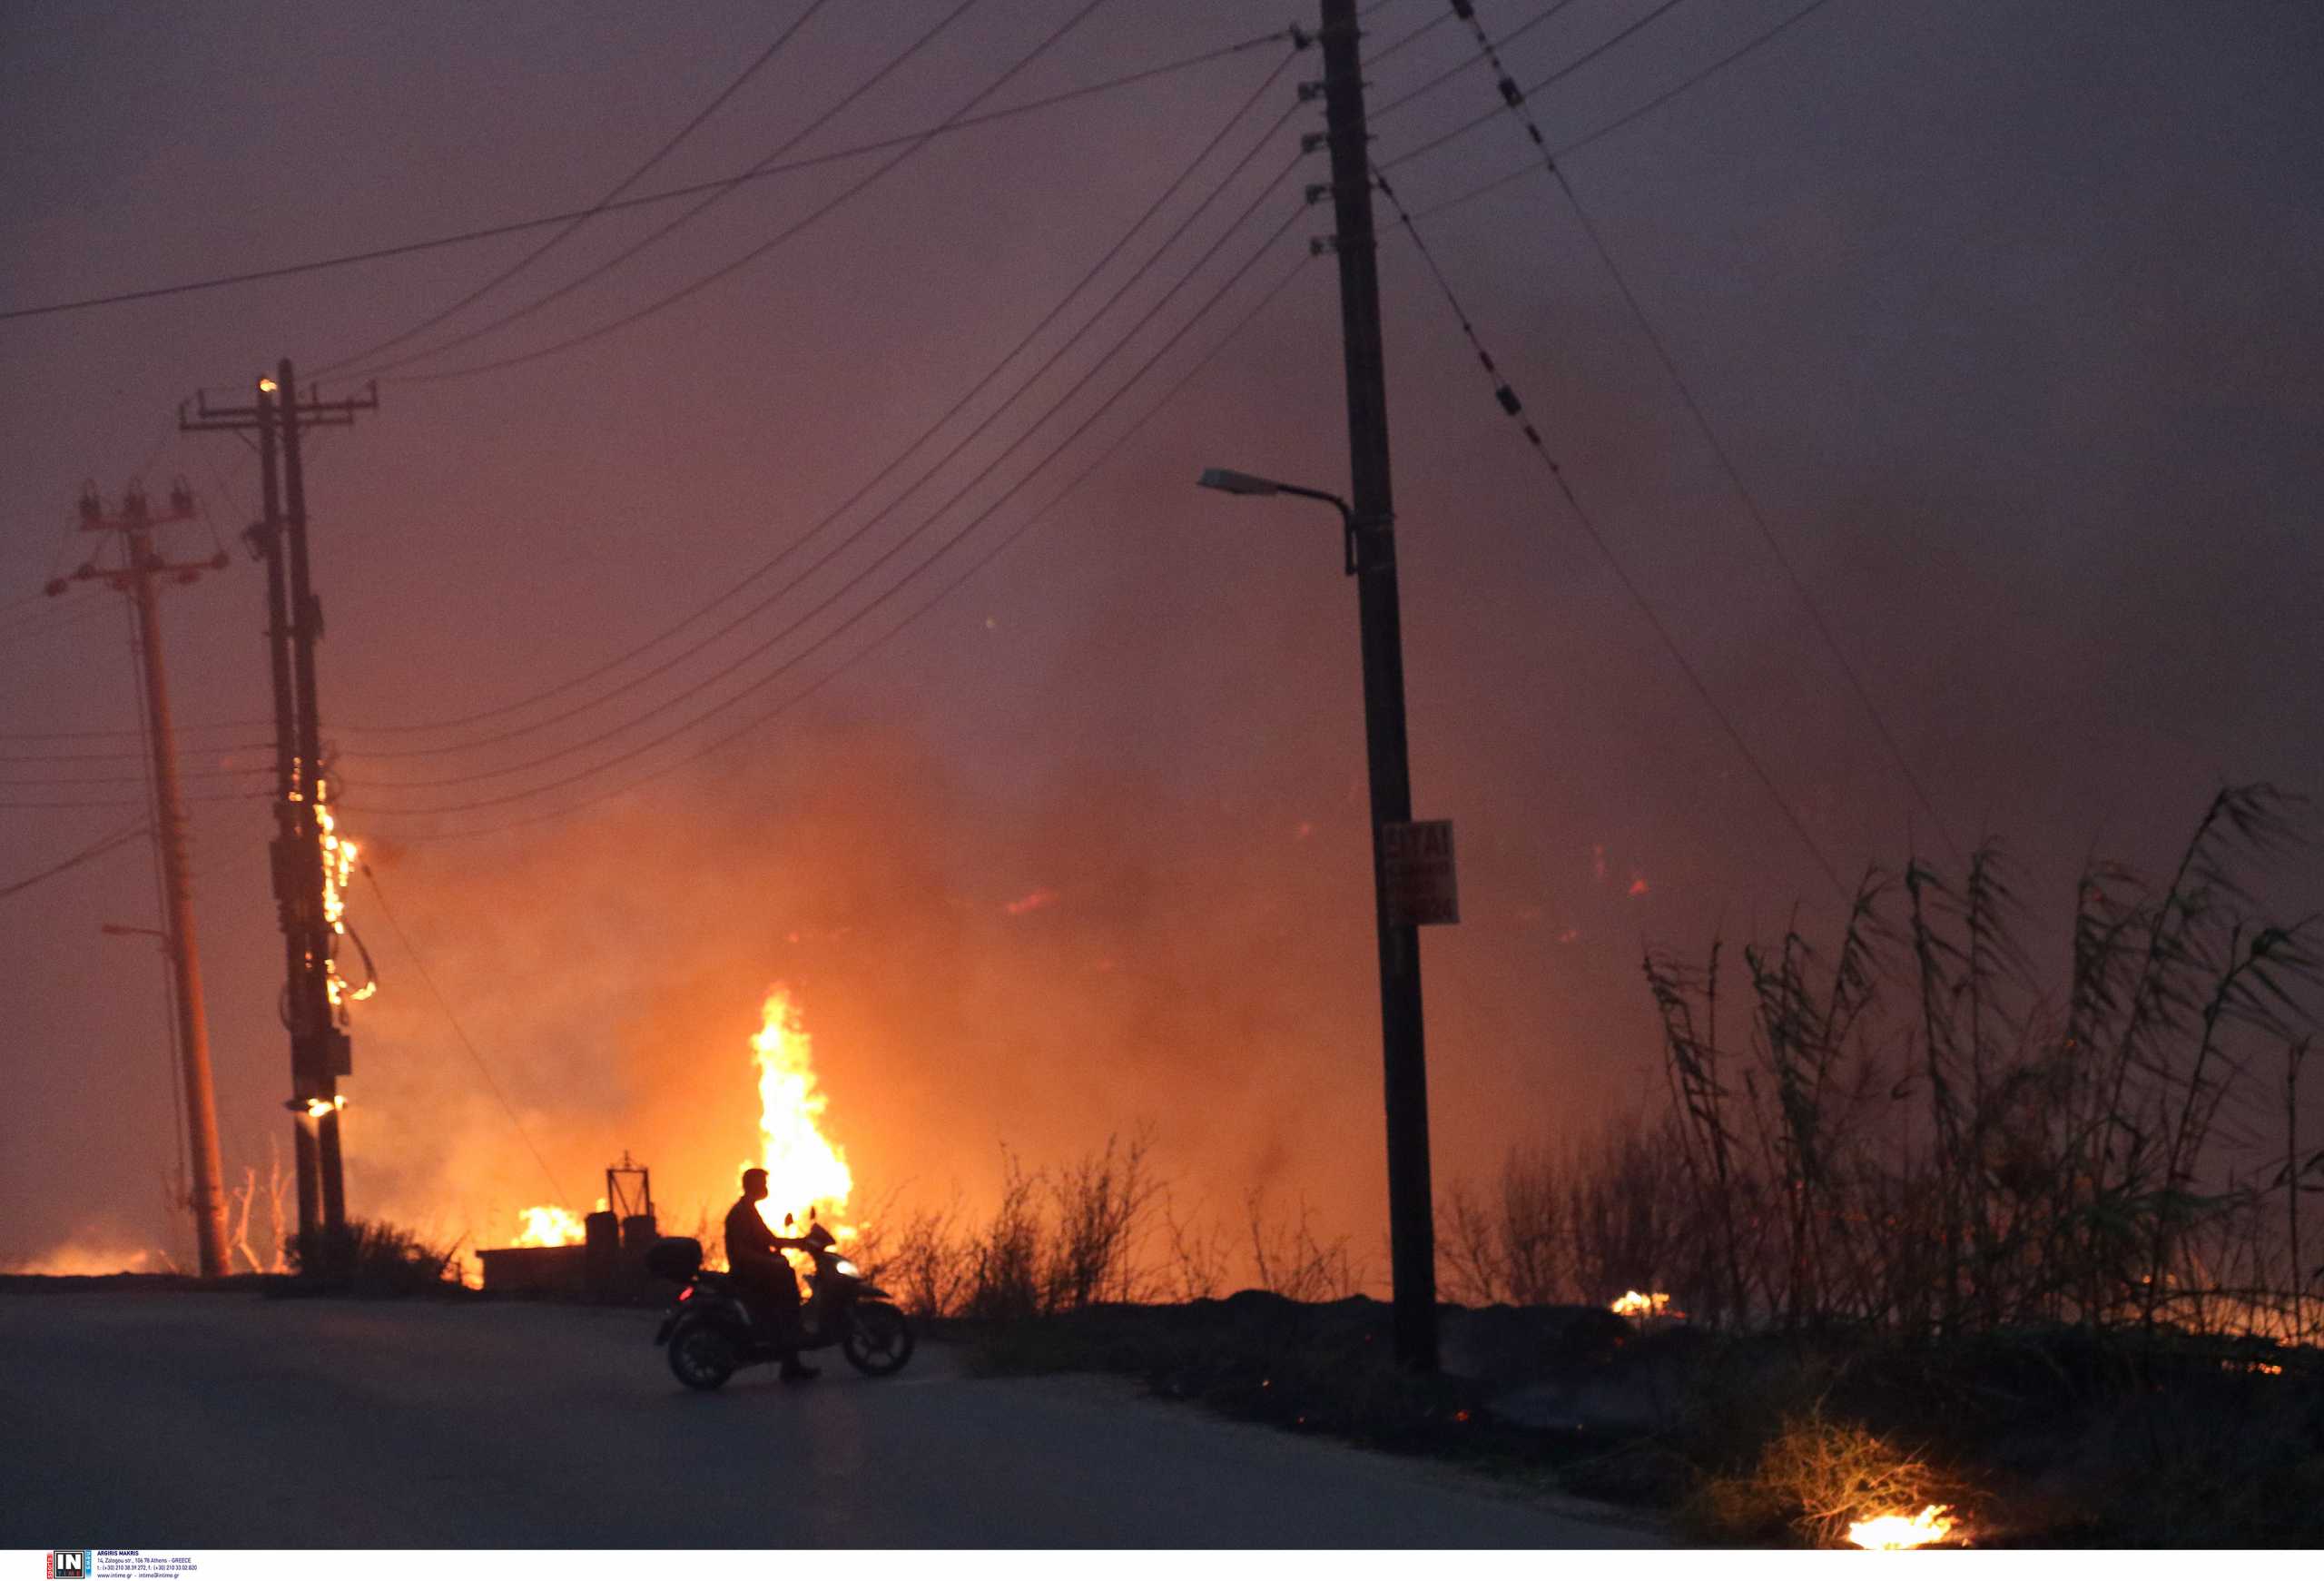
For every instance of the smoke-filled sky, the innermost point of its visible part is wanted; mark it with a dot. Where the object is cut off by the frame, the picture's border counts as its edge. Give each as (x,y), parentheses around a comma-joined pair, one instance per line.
(2007,315)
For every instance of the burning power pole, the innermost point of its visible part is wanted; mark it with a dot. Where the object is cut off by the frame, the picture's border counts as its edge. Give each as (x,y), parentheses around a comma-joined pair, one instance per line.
(136,522)
(305,886)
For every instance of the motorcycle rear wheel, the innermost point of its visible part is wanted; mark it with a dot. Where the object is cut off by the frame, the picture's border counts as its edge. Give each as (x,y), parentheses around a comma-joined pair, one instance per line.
(877,1341)
(702,1355)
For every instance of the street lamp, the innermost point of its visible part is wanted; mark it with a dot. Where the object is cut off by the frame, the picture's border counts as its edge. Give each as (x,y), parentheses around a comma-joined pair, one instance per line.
(1397,912)
(1230,482)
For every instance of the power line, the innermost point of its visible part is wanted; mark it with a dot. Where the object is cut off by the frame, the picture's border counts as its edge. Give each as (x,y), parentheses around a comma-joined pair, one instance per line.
(1557,75)
(982,384)
(997,549)
(1411,37)
(1515,104)
(114,756)
(1454,70)
(1616,124)
(632,179)
(1507,397)
(846,195)
(428,981)
(115,734)
(645,200)
(49,624)
(111,843)
(127,778)
(959,445)
(709,200)
(116,802)
(942,549)
(833,599)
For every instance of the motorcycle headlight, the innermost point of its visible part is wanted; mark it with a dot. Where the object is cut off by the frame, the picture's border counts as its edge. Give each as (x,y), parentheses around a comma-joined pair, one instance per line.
(847,1268)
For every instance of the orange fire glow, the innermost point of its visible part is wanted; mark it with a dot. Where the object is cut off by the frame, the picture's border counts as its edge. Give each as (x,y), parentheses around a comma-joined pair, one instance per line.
(803,1168)
(1638,1307)
(1031,903)
(548,1226)
(338,868)
(1891,1532)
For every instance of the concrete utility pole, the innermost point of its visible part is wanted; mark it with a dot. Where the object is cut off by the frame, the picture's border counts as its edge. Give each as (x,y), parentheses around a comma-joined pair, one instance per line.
(320,1051)
(135,523)
(1412,1229)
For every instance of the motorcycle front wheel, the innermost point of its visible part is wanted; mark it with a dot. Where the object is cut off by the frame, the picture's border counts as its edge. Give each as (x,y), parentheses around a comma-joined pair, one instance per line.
(702,1355)
(877,1341)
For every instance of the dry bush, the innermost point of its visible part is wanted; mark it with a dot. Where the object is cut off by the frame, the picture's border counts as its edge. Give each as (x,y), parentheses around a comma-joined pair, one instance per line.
(1004,1256)
(1102,1205)
(923,1258)
(1617,1215)
(1817,1478)
(373,1258)
(1292,1262)
(1515,1246)
(1196,1269)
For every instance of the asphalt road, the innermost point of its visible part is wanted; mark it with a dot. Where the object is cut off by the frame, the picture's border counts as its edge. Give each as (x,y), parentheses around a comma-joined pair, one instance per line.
(184,1421)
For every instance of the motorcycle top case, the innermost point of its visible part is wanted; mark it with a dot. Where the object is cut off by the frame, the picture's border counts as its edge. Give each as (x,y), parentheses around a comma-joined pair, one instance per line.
(675,1257)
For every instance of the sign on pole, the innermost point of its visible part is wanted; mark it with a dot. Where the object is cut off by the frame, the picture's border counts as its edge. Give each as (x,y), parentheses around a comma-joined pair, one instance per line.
(1416,873)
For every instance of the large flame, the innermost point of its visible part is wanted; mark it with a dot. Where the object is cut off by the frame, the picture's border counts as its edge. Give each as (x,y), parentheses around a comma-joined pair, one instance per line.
(549,1226)
(1890,1532)
(804,1169)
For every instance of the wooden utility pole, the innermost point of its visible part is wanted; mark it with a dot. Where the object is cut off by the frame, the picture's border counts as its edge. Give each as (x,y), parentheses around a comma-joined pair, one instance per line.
(135,523)
(320,1051)
(1411,1230)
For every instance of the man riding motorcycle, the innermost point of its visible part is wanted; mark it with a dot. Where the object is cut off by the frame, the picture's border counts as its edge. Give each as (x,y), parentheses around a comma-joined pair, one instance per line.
(754,1255)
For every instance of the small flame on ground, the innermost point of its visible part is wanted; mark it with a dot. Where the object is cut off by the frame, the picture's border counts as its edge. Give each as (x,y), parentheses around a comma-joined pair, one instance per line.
(549,1226)
(1889,1533)
(804,1170)
(1632,1304)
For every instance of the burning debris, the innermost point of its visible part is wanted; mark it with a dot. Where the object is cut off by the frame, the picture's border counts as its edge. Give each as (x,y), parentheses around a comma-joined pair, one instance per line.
(1888,1533)
(548,1226)
(1643,1308)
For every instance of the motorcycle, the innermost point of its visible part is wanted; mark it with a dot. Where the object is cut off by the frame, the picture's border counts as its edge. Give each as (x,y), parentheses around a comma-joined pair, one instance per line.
(709,1331)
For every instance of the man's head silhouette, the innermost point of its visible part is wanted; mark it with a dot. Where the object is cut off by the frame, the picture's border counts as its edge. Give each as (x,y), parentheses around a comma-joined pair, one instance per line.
(754,1185)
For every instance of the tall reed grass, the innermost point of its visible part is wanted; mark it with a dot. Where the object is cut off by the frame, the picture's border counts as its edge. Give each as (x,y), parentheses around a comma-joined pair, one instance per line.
(1911,1132)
